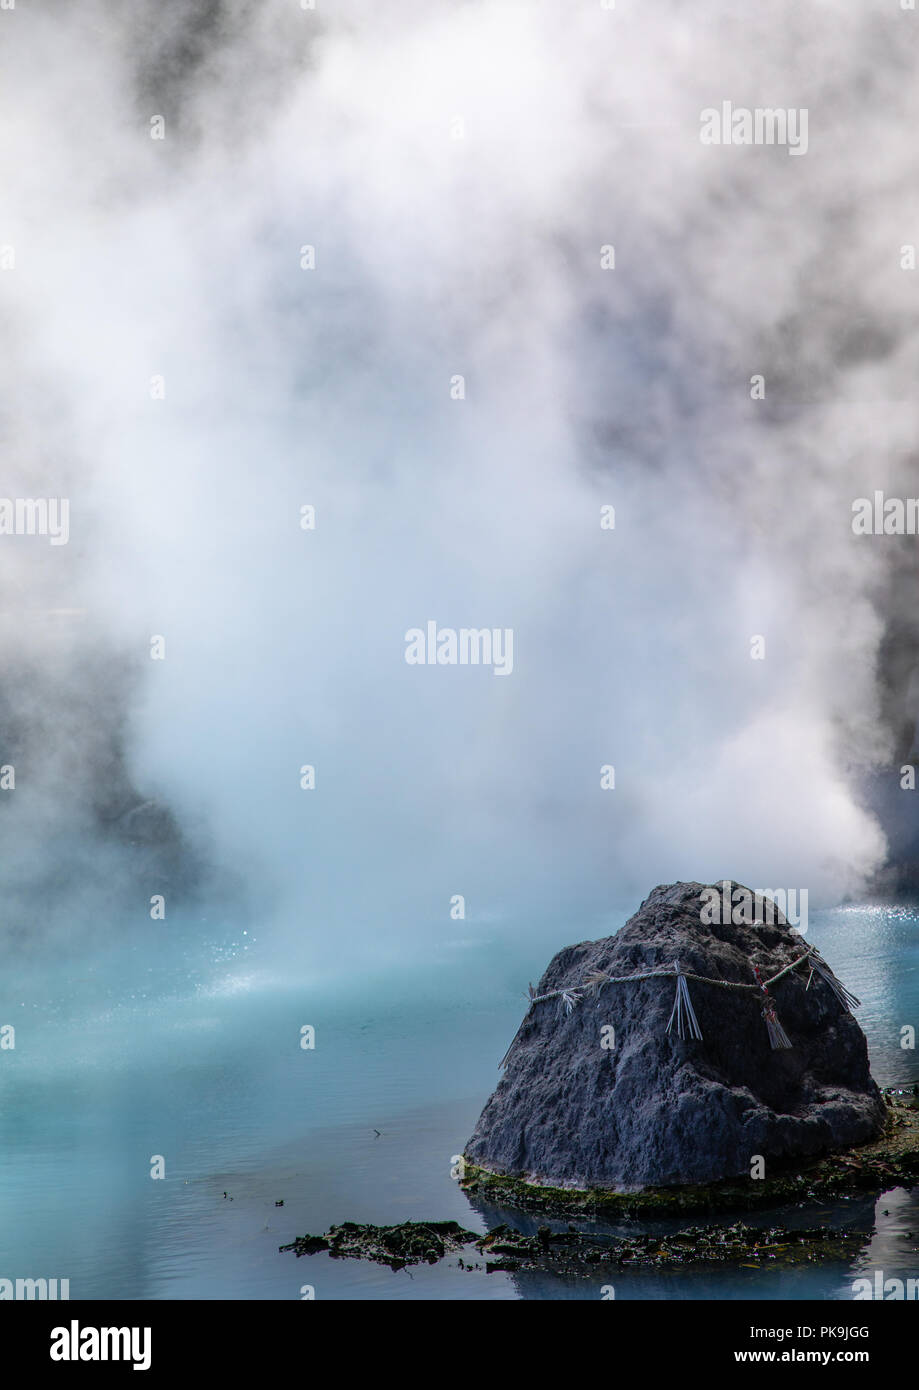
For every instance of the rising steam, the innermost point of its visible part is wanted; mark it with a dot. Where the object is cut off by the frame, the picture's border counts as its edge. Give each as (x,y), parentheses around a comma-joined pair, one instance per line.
(445,250)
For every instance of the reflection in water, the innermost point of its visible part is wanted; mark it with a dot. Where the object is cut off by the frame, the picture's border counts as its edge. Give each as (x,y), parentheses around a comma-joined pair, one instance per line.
(770,1279)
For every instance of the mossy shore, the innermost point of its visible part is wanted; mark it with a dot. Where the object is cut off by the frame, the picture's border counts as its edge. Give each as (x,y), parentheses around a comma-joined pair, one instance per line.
(892,1160)
(575,1252)
(889,1161)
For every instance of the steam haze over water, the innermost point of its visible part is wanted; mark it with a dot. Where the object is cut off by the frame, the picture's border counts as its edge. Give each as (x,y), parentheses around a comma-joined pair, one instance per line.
(480,256)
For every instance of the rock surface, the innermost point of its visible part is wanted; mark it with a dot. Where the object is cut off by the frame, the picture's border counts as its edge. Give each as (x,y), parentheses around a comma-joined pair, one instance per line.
(655,1110)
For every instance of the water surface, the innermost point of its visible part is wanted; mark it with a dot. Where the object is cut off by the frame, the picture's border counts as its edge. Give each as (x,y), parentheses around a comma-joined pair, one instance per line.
(364,1127)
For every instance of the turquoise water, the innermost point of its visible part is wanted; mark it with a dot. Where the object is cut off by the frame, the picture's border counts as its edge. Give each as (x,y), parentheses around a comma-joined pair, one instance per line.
(213,1079)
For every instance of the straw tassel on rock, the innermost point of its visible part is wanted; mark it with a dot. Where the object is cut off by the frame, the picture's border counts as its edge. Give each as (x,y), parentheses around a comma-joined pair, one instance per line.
(567,1000)
(682,1011)
(819,966)
(778,1038)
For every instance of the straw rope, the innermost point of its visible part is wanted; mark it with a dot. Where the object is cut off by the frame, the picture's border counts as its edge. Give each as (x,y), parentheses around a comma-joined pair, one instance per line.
(570,995)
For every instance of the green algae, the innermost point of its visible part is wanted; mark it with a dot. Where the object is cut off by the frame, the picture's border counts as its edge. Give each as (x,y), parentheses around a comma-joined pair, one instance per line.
(573,1251)
(892,1160)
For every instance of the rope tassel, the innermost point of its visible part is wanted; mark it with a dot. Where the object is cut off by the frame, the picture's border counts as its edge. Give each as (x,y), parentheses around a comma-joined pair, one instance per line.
(567,1001)
(819,966)
(567,998)
(531,993)
(683,1011)
(503,1063)
(594,982)
(778,1038)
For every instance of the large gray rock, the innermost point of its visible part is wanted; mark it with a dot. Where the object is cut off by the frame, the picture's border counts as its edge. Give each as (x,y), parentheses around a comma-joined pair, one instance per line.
(656,1110)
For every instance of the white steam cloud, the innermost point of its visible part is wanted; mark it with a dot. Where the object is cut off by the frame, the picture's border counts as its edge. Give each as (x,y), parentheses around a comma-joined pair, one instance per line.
(457,169)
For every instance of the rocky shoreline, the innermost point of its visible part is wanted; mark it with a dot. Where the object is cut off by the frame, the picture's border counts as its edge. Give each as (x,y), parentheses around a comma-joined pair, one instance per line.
(890,1161)
(506,1249)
